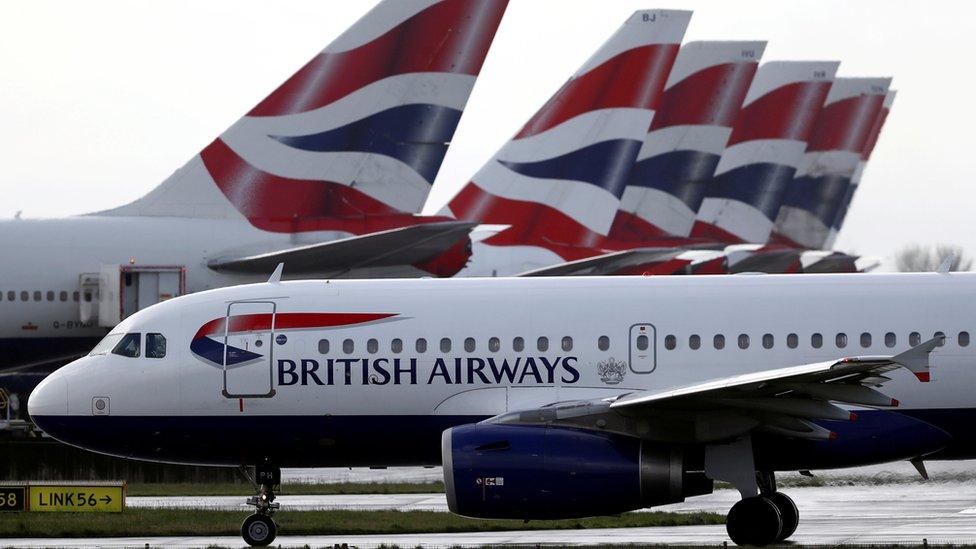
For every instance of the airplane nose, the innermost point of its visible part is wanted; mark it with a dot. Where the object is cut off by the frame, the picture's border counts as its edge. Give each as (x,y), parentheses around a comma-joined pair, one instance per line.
(49,398)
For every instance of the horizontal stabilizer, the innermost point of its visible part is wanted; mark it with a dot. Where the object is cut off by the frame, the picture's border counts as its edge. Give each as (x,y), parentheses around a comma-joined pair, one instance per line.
(402,246)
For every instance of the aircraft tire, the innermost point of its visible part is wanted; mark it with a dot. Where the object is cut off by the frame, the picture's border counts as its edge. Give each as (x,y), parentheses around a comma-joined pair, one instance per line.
(258,530)
(789,513)
(754,521)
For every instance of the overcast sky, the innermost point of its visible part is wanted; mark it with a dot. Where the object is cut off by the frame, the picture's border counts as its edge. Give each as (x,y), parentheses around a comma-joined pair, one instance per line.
(100,100)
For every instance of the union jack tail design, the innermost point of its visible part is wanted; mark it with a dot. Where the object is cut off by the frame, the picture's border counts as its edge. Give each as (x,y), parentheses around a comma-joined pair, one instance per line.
(833,154)
(764,151)
(859,172)
(558,182)
(702,98)
(360,130)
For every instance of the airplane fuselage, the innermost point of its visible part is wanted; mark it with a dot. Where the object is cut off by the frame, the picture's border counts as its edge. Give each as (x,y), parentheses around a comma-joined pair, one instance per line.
(40,293)
(343,373)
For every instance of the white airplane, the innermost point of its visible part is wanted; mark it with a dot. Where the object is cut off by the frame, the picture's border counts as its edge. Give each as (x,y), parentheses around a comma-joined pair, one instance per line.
(328,173)
(544,398)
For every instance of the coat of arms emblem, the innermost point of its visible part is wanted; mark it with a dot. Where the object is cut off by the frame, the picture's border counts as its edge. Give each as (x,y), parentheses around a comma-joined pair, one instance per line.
(611,371)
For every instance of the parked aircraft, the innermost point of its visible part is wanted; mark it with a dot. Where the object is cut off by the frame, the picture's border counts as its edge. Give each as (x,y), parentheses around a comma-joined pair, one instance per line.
(557,184)
(544,398)
(328,172)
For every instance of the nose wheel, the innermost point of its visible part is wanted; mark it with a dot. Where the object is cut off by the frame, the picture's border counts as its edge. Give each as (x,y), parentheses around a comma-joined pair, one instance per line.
(259,529)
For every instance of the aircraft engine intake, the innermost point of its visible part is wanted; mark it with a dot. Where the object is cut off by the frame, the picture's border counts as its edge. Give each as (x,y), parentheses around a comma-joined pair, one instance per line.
(539,472)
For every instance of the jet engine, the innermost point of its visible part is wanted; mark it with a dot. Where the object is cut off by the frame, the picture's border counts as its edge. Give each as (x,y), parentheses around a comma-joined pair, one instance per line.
(539,472)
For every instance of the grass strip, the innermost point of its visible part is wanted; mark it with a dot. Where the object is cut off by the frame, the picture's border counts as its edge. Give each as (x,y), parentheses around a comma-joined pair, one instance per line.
(228,489)
(169,522)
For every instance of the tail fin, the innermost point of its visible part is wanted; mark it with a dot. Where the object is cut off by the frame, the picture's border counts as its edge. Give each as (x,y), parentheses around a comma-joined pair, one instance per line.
(834,151)
(859,172)
(766,146)
(701,100)
(559,180)
(362,128)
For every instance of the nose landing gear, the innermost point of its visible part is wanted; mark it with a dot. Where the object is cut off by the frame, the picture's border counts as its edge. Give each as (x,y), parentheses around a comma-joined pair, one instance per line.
(259,529)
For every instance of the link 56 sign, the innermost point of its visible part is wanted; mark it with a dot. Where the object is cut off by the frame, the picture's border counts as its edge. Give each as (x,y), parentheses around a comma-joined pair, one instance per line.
(108,499)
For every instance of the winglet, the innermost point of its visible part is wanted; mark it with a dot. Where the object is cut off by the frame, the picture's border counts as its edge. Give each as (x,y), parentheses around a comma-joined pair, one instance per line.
(916,359)
(276,275)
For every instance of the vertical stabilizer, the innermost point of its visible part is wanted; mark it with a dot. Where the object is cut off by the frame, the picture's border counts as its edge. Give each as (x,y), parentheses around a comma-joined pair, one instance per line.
(834,152)
(360,130)
(859,172)
(764,151)
(558,182)
(702,98)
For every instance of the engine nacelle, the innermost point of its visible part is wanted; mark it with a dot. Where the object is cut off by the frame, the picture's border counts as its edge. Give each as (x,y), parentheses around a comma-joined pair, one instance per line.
(539,472)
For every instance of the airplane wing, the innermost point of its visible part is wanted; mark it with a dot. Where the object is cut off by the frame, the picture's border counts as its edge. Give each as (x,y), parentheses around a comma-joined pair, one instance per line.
(783,401)
(401,246)
(664,259)
(606,264)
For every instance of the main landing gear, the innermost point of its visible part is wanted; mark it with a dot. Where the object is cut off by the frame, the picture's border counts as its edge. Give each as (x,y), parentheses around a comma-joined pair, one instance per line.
(259,529)
(770,517)
(763,516)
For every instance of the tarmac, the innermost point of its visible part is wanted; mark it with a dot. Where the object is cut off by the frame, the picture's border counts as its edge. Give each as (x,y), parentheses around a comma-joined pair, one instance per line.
(897,514)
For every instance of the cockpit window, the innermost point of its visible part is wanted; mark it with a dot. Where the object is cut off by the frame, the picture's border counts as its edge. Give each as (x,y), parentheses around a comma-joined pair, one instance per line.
(155,346)
(106,345)
(129,345)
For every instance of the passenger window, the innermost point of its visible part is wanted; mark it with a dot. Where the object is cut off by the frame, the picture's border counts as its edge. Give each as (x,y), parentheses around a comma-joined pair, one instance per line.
(567,344)
(63,296)
(768,341)
(914,339)
(542,344)
(421,345)
(941,341)
(469,344)
(128,346)
(670,342)
(37,295)
(24,296)
(841,340)
(348,346)
(155,346)
(743,341)
(446,345)
(323,346)
(494,344)
(792,341)
(865,340)
(603,343)
(816,341)
(372,346)
(642,343)
(11,296)
(891,339)
(694,342)
(396,345)
(88,297)
(719,341)
(964,339)
(518,344)
(50,295)
(76,296)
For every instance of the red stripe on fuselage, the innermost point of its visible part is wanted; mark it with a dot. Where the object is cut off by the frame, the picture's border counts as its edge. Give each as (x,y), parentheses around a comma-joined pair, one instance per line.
(633,79)
(261,322)
(787,112)
(446,37)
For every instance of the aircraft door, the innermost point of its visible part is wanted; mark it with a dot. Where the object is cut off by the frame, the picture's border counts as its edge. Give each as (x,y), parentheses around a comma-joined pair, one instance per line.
(249,332)
(643,349)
